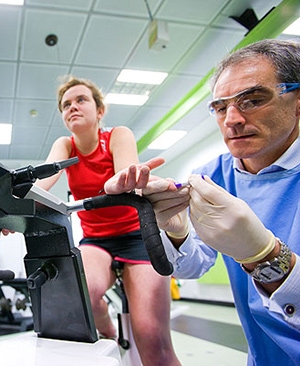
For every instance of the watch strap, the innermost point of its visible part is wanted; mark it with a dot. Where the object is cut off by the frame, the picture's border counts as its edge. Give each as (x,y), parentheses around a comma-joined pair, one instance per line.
(274,269)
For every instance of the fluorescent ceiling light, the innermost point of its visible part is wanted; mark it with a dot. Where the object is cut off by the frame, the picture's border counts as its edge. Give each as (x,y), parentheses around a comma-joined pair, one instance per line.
(127,99)
(167,139)
(12,2)
(5,133)
(141,77)
(293,29)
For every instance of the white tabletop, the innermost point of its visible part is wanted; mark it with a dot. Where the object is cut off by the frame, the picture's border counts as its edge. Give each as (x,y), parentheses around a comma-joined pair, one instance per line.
(27,349)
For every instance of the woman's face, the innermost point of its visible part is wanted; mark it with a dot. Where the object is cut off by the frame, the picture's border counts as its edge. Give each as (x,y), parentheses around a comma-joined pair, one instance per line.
(79,109)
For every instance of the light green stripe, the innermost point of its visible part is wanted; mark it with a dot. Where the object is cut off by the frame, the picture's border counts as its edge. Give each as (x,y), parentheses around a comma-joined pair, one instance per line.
(270,27)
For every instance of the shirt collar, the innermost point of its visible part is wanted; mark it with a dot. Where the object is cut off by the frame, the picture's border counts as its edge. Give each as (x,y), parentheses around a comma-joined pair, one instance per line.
(286,161)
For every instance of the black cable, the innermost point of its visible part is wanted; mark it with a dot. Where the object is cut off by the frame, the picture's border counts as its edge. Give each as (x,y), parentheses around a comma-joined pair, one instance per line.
(149,11)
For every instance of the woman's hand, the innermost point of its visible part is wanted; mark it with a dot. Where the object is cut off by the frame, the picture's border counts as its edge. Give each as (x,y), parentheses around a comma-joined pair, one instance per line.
(136,176)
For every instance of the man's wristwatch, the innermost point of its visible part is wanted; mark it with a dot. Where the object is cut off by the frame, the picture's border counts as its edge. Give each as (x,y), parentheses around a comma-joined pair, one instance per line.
(274,269)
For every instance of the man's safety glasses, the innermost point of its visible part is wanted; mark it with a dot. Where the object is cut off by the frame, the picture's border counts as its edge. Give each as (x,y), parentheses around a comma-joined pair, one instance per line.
(249,100)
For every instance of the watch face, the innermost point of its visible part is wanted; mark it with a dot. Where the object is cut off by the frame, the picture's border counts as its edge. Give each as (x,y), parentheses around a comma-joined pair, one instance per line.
(272,270)
(269,273)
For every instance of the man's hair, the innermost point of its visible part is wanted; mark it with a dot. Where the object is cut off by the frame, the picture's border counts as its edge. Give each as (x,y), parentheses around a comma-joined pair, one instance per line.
(284,56)
(69,81)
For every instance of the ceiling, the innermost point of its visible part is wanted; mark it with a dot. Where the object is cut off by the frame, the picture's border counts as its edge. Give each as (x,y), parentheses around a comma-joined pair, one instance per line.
(98,38)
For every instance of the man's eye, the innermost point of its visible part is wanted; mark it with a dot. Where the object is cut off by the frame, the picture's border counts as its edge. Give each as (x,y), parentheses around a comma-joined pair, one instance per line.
(251,102)
(81,99)
(221,109)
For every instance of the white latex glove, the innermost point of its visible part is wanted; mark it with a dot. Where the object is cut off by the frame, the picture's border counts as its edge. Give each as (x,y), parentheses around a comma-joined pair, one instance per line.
(169,204)
(227,223)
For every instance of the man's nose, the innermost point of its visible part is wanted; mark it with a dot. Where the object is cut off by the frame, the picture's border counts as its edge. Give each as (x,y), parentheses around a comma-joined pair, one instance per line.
(233,116)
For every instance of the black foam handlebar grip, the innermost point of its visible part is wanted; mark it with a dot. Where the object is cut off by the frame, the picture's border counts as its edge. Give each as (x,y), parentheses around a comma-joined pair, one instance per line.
(30,174)
(6,275)
(149,230)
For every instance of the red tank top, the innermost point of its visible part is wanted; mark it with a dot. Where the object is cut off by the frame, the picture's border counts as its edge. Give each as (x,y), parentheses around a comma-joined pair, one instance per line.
(86,179)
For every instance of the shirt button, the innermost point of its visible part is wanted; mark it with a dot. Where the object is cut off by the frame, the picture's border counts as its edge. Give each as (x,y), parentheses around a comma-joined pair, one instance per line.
(289,309)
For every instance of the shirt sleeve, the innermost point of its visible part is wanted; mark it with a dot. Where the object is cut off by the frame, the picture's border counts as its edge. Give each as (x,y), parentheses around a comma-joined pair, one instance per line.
(285,300)
(193,258)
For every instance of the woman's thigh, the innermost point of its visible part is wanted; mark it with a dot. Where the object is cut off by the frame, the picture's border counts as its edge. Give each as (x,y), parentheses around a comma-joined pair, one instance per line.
(97,267)
(148,295)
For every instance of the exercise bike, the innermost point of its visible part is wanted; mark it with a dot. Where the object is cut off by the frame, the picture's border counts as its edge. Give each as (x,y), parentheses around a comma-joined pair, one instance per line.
(55,276)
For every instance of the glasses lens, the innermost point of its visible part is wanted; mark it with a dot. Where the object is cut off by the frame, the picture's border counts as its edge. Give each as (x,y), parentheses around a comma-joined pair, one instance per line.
(245,101)
(217,107)
(255,98)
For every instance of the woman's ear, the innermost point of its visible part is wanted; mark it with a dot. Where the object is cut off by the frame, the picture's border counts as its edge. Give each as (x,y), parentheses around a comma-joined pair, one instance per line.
(100,113)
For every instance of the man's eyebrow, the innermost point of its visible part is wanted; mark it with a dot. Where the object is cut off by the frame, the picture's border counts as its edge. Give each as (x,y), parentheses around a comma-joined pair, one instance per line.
(245,91)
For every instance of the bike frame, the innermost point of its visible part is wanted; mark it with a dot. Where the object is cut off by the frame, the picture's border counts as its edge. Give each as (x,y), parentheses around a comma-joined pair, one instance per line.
(55,275)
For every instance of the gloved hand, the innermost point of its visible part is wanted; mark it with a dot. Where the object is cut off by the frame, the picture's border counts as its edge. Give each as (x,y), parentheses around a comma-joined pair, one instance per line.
(227,223)
(182,226)
(169,204)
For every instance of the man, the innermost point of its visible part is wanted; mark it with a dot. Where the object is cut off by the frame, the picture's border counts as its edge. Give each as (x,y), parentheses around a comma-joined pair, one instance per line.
(245,204)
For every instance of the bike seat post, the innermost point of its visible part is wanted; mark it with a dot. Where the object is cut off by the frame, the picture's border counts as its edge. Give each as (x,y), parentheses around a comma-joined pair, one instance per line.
(117,267)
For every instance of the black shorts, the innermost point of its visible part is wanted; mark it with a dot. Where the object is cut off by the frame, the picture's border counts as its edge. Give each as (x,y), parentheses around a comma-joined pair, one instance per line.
(124,248)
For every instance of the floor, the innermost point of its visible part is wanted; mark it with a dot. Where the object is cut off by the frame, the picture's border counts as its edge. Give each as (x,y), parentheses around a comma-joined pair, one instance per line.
(207,335)
(203,334)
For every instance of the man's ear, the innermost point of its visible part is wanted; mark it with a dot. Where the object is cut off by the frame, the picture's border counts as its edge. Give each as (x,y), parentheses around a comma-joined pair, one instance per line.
(297,103)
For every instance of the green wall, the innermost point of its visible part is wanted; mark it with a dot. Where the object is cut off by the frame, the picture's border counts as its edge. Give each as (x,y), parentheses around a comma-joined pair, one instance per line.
(217,274)
(269,27)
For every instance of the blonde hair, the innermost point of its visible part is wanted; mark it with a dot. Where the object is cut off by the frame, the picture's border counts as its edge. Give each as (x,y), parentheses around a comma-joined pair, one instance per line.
(69,81)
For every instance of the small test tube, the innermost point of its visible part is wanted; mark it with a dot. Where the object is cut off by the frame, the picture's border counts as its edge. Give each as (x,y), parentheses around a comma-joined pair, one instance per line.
(181,185)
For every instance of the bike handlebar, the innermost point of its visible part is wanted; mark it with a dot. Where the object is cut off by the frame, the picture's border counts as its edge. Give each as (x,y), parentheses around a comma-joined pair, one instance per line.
(30,174)
(23,178)
(149,229)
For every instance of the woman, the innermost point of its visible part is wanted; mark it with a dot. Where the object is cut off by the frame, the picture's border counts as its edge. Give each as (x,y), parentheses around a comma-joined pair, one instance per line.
(113,232)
